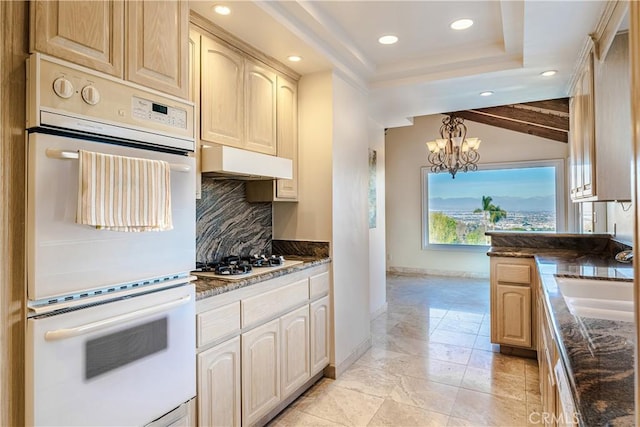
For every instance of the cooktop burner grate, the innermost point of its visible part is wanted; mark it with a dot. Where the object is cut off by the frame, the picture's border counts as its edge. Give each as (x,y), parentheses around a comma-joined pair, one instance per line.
(235,265)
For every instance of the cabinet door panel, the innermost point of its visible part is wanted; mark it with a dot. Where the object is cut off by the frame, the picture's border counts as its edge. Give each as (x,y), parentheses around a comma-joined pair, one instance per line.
(287,142)
(588,134)
(158,45)
(258,308)
(294,328)
(219,385)
(575,135)
(260,108)
(514,311)
(194,96)
(260,371)
(88,33)
(221,88)
(320,335)
(513,273)
(216,323)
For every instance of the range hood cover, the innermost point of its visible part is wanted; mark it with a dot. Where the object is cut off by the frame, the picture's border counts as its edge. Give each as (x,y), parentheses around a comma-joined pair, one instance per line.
(235,163)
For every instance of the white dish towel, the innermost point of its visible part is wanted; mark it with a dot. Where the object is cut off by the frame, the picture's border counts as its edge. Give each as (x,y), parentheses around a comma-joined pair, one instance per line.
(120,193)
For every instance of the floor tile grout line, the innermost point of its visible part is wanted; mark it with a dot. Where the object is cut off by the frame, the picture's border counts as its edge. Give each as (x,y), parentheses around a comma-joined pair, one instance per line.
(418,348)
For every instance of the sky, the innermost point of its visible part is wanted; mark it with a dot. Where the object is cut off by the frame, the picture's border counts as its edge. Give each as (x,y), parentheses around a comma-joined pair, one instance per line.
(521,182)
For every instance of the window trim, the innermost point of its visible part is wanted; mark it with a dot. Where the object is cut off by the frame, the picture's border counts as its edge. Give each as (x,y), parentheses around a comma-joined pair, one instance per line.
(559,164)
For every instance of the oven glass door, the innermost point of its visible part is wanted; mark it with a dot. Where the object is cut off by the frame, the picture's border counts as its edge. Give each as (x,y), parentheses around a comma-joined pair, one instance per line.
(65,257)
(121,363)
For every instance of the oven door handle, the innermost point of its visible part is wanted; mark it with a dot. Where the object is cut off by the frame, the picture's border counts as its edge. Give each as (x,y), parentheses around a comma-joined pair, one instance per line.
(61,334)
(53,153)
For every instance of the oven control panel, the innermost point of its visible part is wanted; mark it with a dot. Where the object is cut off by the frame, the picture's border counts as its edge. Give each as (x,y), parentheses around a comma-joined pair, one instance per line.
(145,109)
(67,95)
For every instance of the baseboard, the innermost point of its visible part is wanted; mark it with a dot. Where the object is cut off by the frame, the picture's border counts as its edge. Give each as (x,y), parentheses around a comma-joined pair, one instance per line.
(334,371)
(379,311)
(411,271)
(520,352)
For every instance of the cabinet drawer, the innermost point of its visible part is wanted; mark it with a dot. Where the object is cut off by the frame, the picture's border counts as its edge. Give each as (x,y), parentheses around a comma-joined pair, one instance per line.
(269,304)
(514,273)
(319,284)
(216,323)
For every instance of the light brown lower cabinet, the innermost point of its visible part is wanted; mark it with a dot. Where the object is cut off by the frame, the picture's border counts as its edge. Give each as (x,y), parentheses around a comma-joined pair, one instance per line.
(219,384)
(557,405)
(260,371)
(514,311)
(320,337)
(513,302)
(294,328)
(259,345)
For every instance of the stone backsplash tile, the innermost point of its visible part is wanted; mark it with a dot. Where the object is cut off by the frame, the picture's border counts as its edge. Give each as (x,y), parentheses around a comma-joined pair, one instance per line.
(226,224)
(301,248)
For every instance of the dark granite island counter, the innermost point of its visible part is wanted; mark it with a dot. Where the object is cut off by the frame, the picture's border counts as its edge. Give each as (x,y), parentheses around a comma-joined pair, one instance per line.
(598,354)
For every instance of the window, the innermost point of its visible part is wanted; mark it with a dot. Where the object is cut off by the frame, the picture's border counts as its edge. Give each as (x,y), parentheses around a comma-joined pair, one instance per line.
(522,196)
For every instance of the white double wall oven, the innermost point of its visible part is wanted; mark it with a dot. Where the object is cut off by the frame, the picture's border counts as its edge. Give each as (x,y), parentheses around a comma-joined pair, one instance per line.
(110,314)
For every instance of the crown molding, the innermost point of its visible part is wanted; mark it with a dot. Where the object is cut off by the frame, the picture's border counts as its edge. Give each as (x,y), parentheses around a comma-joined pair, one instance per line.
(235,43)
(600,40)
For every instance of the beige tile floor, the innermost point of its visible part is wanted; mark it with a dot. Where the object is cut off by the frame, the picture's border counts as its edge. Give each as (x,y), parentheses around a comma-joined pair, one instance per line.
(431,364)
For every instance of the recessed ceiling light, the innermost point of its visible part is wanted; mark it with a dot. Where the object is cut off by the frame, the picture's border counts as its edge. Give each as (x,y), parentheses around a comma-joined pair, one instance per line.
(486,93)
(548,73)
(388,39)
(294,58)
(461,24)
(221,9)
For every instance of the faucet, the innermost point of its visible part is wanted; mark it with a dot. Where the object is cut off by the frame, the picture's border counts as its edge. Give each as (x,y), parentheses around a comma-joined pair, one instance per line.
(624,256)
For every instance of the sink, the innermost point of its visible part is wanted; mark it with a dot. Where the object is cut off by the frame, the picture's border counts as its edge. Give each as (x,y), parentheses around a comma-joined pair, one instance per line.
(599,299)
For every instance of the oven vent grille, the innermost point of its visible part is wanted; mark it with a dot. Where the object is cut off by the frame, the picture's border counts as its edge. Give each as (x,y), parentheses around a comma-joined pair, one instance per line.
(98,295)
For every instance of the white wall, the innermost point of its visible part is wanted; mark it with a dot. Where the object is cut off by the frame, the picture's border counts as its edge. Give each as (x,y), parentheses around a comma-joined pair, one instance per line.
(405,154)
(332,203)
(350,241)
(377,265)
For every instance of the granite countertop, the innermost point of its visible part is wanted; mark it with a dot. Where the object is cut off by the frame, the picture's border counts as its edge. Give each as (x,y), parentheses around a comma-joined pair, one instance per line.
(210,286)
(598,354)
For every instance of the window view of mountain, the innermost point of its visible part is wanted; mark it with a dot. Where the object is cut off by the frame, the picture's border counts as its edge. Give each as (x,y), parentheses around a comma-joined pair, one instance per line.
(461,211)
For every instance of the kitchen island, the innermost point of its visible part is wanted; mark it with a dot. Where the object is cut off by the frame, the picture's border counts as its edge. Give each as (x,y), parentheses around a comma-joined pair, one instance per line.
(596,354)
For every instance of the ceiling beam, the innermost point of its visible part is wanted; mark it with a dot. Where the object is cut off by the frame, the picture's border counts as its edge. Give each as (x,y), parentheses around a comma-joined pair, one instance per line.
(518,126)
(547,119)
(527,116)
(560,105)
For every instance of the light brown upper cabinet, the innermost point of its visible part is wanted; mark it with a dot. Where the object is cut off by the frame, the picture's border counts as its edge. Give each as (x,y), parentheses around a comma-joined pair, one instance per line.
(88,33)
(582,148)
(600,127)
(287,140)
(222,94)
(260,108)
(238,99)
(245,100)
(281,190)
(194,96)
(157,47)
(145,42)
